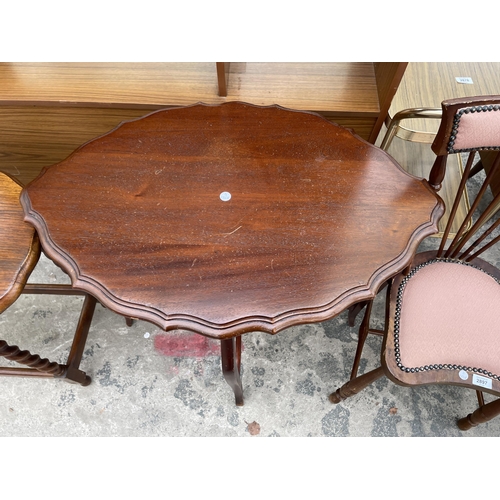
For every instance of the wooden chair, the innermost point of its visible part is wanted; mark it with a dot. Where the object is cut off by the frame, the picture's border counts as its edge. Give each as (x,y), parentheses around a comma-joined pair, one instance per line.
(396,129)
(443,313)
(19,253)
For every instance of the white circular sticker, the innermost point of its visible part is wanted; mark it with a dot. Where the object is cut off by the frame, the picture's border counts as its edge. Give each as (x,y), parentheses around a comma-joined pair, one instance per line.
(463,374)
(225,196)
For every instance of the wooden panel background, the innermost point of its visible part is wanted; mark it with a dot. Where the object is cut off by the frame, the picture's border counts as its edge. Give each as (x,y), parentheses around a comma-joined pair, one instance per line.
(49,109)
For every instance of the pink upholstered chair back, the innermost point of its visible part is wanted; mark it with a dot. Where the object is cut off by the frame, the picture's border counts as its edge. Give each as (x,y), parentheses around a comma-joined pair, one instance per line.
(469,125)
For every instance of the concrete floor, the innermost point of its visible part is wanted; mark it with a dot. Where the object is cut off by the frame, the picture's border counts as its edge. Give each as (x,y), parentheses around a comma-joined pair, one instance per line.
(146,382)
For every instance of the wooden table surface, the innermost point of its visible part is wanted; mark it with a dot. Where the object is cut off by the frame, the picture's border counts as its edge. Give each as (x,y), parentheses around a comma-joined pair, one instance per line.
(317,218)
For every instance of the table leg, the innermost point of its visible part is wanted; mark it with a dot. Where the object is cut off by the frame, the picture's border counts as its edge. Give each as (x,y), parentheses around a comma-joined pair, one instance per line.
(231,366)
(73,373)
(39,367)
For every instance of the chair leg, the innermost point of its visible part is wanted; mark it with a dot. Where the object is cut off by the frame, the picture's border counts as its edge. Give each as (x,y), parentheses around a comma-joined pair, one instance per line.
(483,414)
(480,398)
(476,169)
(356,385)
(231,366)
(38,366)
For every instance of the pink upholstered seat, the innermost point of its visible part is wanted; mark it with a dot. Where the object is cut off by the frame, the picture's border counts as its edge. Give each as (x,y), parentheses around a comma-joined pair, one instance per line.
(442,322)
(450,315)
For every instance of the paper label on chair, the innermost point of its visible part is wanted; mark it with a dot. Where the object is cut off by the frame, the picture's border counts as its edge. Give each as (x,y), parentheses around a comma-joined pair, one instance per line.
(481,381)
(464,79)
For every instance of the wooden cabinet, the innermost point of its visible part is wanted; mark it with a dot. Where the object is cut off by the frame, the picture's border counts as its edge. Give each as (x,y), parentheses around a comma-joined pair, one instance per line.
(49,109)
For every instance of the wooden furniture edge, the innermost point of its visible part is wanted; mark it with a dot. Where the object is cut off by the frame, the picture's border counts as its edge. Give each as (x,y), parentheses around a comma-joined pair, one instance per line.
(271,325)
(25,269)
(388,77)
(222,77)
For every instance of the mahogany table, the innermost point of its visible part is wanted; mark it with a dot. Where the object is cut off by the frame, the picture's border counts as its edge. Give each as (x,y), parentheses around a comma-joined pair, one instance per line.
(229,219)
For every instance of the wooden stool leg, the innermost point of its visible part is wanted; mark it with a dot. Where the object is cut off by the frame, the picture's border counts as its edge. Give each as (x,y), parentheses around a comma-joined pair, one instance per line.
(73,373)
(38,366)
(43,367)
(231,366)
(480,416)
(355,385)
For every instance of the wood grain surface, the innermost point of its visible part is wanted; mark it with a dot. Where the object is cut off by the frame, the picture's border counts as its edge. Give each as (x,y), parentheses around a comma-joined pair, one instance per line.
(19,244)
(318,218)
(427,84)
(341,87)
(33,137)
(49,109)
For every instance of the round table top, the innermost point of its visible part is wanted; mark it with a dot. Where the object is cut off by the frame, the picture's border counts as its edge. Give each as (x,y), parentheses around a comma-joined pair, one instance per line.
(230,218)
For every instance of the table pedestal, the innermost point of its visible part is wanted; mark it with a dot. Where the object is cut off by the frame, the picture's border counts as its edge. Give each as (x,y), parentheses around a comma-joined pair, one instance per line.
(231,366)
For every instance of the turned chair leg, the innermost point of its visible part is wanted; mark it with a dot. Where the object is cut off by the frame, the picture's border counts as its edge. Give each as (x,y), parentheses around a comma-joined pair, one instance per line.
(483,414)
(355,385)
(37,366)
(231,366)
